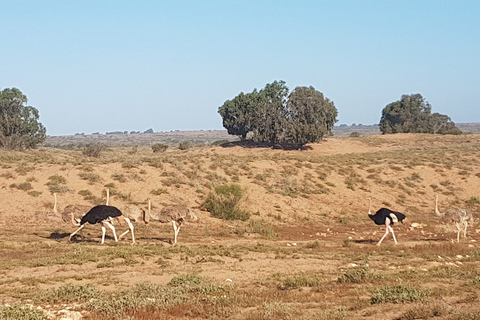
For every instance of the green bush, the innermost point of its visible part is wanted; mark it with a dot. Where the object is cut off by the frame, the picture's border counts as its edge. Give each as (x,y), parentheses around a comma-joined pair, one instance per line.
(224,203)
(159,147)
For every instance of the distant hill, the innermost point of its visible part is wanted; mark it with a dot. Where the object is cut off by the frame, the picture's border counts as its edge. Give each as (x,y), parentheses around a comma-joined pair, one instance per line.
(199,137)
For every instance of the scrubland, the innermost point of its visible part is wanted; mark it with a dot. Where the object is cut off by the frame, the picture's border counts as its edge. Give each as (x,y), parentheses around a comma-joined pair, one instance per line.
(307,250)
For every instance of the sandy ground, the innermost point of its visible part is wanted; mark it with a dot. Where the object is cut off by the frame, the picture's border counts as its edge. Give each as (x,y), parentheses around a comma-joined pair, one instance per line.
(330,218)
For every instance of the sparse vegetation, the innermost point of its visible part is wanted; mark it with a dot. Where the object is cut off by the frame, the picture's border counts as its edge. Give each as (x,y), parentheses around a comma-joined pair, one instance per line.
(306,251)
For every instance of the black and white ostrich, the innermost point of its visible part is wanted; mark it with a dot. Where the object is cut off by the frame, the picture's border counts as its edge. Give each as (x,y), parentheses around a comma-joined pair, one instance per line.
(102,214)
(385,217)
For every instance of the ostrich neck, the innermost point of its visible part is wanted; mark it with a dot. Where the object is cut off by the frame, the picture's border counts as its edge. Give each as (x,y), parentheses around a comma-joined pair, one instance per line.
(438,213)
(55,210)
(370,206)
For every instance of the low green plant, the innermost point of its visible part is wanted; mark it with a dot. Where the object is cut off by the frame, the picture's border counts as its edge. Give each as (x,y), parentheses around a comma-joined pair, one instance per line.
(25,186)
(20,312)
(473,201)
(68,293)
(23,169)
(159,191)
(224,203)
(302,280)
(262,228)
(57,184)
(399,294)
(120,177)
(90,177)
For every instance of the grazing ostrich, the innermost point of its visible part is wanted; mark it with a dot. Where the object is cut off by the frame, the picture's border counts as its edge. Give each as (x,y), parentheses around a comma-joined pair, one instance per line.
(132,213)
(72,213)
(175,214)
(456,215)
(102,214)
(385,217)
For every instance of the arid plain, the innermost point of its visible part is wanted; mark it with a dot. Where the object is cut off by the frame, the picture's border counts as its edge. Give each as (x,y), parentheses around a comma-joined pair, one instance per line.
(306,252)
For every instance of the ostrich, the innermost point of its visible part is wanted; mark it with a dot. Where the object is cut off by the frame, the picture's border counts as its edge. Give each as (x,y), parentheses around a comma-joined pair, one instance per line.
(100,214)
(175,214)
(456,215)
(132,213)
(72,213)
(385,217)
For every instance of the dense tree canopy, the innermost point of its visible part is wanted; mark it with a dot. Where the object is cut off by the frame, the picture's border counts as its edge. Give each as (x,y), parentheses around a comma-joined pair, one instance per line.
(269,118)
(237,114)
(413,114)
(272,115)
(19,126)
(310,115)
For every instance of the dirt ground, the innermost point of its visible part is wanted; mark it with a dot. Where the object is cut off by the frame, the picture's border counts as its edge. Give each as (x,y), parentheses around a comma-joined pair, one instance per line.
(337,220)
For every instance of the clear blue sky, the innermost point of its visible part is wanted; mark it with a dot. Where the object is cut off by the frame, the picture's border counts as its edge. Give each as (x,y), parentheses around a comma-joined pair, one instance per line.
(99,65)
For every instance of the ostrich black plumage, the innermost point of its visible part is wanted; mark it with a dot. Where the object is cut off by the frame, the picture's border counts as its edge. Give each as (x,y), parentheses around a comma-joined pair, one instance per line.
(385,217)
(103,214)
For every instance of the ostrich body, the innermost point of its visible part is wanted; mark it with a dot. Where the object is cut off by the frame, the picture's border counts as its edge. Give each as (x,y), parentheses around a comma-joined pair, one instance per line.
(102,214)
(72,213)
(385,217)
(177,214)
(132,213)
(456,215)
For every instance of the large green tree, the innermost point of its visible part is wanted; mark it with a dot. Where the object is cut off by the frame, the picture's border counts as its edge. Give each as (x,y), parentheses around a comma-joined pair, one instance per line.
(310,116)
(413,114)
(274,116)
(269,117)
(238,113)
(19,125)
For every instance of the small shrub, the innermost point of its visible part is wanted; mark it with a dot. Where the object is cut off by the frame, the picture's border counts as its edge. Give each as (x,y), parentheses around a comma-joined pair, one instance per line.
(224,202)
(25,186)
(93,150)
(355,134)
(23,169)
(159,147)
(7,175)
(90,177)
(120,177)
(56,179)
(56,184)
(184,145)
(473,201)
(20,312)
(159,191)
(68,293)
(398,294)
(302,280)
(263,229)
(358,275)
